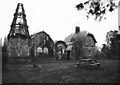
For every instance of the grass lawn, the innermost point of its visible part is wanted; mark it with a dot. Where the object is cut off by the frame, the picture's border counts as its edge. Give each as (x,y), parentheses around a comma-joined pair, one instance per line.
(62,72)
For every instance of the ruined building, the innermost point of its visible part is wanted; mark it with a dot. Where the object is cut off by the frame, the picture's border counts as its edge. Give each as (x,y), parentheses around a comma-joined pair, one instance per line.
(18,37)
(42,43)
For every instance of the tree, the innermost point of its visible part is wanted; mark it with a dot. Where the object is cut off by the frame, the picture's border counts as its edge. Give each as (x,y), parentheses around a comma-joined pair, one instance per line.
(5,44)
(98,8)
(105,51)
(111,36)
(4,54)
(79,40)
(98,54)
(112,39)
(114,44)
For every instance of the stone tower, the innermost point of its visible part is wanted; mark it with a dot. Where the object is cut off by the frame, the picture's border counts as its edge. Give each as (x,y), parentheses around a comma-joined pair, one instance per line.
(18,37)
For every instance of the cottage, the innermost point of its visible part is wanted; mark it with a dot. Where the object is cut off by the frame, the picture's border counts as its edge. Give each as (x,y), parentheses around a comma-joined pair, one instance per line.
(83,44)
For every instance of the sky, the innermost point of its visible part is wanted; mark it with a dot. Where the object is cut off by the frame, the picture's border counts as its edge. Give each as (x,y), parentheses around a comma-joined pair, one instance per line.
(58,18)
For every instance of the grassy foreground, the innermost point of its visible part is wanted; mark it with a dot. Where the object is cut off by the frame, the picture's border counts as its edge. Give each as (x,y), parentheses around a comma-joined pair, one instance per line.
(61,72)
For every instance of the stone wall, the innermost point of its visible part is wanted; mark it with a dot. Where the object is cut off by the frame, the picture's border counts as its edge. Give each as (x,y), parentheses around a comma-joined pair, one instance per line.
(18,47)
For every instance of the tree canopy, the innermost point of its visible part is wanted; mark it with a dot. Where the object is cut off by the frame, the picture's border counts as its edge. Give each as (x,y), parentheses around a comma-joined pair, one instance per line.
(111,36)
(113,44)
(97,8)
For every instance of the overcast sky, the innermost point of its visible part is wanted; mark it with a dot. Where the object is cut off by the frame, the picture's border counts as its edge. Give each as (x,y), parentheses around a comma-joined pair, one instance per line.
(56,17)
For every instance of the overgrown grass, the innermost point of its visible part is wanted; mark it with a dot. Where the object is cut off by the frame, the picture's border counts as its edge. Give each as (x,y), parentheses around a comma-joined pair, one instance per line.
(62,72)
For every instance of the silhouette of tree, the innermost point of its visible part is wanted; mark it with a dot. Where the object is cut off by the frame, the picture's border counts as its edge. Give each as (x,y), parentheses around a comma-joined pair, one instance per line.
(112,39)
(111,36)
(4,54)
(79,40)
(105,50)
(97,8)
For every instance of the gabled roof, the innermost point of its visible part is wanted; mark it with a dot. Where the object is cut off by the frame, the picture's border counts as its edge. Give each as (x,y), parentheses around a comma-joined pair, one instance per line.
(68,39)
(92,37)
(35,34)
(69,47)
(82,35)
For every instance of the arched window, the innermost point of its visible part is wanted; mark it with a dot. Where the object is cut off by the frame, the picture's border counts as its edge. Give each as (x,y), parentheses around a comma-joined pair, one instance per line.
(39,50)
(86,42)
(45,50)
(89,53)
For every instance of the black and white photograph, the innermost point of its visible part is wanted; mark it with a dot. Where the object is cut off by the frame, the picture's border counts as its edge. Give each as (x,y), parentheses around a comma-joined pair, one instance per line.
(59,41)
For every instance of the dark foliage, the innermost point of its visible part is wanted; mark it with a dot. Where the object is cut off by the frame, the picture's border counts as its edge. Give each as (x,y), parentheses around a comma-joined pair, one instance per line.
(97,8)
(4,58)
(80,6)
(98,55)
(111,49)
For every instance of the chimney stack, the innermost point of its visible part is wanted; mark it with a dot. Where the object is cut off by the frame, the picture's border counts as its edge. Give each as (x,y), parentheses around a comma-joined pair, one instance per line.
(77,30)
